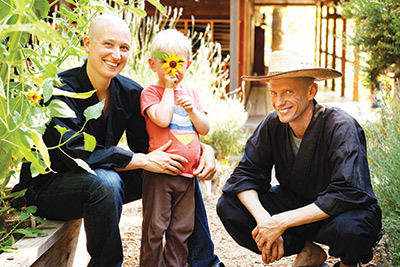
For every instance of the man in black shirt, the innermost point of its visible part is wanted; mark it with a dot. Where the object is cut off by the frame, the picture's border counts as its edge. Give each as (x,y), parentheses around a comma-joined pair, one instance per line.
(324,193)
(69,192)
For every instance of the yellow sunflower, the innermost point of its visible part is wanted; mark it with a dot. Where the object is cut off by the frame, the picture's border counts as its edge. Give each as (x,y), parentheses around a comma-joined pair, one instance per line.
(34,97)
(173,63)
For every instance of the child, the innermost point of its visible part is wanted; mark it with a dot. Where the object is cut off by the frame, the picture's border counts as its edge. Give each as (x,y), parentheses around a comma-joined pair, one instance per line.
(172,112)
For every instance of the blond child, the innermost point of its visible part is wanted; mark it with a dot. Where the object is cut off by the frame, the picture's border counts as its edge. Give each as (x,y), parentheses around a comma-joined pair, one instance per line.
(172,112)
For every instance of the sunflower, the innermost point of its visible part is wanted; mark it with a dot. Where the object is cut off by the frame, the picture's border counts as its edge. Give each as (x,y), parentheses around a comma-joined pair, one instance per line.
(173,63)
(34,97)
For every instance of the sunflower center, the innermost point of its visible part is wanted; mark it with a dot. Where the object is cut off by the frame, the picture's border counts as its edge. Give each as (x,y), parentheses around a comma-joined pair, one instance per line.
(173,64)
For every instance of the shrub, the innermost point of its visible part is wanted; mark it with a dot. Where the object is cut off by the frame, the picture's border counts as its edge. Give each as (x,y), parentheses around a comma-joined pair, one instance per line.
(377,35)
(384,158)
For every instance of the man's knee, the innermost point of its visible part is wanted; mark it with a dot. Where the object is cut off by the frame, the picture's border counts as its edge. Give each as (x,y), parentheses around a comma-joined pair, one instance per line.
(359,227)
(237,220)
(106,184)
(355,234)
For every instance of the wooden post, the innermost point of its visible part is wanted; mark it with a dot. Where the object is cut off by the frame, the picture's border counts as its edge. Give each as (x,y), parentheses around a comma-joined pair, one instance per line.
(334,45)
(234,45)
(344,59)
(326,41)
(320,35)
(356,75)
(276,42)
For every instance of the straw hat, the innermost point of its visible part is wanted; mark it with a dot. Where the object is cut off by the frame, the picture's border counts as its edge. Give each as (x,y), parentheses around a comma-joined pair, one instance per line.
(290,64)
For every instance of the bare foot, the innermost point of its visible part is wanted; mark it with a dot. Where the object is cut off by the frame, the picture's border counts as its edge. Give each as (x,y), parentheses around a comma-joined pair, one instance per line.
(311,255)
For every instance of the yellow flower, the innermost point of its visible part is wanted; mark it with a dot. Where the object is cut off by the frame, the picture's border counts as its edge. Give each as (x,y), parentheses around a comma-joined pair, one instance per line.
(34,97)
(173,63)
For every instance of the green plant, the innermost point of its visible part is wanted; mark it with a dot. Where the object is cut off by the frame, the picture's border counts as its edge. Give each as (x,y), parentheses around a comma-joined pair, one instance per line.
(384,159)
(377,34)
(33,49)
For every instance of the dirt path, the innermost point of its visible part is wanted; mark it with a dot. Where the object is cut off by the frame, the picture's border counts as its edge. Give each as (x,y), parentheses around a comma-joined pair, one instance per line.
(227,250)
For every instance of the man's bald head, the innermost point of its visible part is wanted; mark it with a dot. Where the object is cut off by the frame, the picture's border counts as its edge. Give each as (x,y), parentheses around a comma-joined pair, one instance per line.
(99,23)
(107,46)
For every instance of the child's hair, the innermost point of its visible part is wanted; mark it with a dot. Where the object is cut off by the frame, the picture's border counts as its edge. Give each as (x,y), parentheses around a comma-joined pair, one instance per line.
(171,40)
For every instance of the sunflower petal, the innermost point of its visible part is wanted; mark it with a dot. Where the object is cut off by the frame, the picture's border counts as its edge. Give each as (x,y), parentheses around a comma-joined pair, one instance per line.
(179,68)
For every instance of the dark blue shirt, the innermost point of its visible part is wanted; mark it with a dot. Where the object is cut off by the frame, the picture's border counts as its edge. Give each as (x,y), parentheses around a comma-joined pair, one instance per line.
(330,169)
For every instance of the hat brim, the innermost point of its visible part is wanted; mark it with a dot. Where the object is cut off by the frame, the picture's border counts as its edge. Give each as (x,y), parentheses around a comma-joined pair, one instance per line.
(319,74)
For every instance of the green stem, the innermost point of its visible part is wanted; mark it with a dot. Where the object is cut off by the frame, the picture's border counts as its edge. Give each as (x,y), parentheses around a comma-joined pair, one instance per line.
(75,134)
(58,62)
(53,3)
(10,232)
(8,95)
(5,135)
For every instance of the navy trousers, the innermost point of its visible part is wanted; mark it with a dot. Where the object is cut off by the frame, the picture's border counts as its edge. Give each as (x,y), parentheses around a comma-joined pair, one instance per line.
(350,236)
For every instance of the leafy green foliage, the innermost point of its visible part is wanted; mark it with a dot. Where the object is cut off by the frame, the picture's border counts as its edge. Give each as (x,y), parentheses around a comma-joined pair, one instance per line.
(384,159)
(377,34)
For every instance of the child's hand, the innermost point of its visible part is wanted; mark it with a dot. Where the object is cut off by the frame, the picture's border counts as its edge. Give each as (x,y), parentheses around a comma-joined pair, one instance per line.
(171,81)
(186,102)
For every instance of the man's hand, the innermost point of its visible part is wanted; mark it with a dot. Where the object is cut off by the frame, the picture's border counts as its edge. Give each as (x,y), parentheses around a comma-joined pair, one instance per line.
(274,253)
(162,162)
(157,161)
(207,167)
(268,236)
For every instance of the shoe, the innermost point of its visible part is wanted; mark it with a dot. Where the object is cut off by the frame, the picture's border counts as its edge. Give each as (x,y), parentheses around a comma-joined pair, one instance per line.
(218,264)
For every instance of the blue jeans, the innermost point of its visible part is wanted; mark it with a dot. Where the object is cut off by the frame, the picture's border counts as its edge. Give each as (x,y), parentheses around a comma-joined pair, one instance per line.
(98,199)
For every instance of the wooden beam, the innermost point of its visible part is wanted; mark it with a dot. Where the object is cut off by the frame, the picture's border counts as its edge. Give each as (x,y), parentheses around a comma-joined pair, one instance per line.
(234,45)
(57,248)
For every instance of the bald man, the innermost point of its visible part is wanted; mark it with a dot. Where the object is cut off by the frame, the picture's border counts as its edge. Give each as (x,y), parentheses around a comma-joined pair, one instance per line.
(69,192)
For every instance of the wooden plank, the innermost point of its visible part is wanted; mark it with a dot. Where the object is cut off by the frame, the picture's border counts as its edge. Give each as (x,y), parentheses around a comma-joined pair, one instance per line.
(30,250)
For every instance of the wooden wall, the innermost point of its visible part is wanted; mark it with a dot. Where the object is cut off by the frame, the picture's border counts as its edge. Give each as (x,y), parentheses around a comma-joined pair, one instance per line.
(200,9)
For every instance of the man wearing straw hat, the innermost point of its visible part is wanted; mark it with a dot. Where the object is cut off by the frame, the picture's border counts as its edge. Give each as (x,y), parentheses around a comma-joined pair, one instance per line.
(324,194)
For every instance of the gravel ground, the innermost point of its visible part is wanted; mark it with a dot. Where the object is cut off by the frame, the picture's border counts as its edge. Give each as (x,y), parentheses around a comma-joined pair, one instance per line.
(231,254)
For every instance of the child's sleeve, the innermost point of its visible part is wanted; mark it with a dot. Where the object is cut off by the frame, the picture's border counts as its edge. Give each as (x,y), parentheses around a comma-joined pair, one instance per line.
(149,97)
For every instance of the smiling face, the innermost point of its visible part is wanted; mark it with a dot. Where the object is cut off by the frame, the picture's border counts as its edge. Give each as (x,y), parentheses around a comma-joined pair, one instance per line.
(292,99)
(108,46)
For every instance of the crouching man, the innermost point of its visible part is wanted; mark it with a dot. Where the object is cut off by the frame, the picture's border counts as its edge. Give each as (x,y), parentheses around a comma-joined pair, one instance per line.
(324,194)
